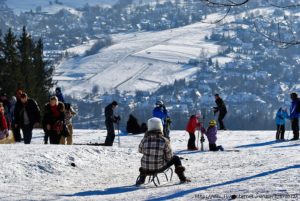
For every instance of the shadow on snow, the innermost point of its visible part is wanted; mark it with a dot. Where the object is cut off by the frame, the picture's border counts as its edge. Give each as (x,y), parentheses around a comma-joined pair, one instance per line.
(126,189)
(108,191)
(287,146)
(259,144)
(185,192)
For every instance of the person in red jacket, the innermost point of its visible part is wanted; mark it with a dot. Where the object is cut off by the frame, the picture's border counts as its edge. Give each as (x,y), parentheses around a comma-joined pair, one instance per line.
(191,127)
(4,125)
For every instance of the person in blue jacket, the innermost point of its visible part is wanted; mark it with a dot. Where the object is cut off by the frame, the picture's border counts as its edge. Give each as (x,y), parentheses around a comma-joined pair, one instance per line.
(294,115)
(59,95)
(161,112)
(281,115)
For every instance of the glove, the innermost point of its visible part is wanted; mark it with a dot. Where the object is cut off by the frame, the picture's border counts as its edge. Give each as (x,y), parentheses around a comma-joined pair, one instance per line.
(202,139)
(6,132)
(117,119)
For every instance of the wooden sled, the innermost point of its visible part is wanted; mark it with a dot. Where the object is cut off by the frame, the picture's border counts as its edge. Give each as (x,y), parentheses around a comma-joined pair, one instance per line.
(8,140)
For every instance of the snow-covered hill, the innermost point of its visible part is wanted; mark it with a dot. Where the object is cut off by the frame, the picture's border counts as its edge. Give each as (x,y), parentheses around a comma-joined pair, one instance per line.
(261,169)
(138,61)
(27,5)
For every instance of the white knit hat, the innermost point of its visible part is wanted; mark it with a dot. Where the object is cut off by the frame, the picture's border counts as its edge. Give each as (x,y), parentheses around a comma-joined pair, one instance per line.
(155,124)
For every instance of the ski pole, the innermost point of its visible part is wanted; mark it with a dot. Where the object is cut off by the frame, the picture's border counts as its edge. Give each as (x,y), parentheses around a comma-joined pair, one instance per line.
(119,142)
(202,137)
(198,138)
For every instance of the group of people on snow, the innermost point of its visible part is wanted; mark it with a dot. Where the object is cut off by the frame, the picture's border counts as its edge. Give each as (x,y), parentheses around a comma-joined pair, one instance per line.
(282,115)
(22,113)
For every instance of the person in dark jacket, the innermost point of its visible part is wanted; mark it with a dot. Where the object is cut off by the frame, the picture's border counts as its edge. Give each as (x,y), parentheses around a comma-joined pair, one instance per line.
(133,125)
(294,115)
(17,107)
(157,153)
(59,95)
(53,120)
(27,116)
(221,108)
(110,119)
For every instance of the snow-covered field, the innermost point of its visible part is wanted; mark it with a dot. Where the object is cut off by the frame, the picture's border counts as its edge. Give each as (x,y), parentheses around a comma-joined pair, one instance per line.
(261,169)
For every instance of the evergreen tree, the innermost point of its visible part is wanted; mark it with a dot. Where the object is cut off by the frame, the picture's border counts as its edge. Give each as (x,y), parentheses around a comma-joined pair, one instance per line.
(25,46)
(22,66)
(10,73)
(42,74)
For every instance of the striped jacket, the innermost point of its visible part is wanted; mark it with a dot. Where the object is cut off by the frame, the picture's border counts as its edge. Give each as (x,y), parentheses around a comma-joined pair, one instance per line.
(156,151)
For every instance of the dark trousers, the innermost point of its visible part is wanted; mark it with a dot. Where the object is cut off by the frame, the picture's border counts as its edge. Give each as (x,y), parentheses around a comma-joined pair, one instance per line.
(17,133)
(174,161)
(27,133)
(191,142)
(110,134)
(295,128)
(54,137)
(220,120)
(280,132)
(46,137)
(166,132)
(214,147)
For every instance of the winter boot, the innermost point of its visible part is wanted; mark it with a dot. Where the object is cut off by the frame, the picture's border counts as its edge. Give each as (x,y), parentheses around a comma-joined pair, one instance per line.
(179,170)
(142,177)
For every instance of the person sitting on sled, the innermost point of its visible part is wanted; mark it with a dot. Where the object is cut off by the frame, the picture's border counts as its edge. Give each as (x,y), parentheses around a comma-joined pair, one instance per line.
(191,127)
(211,134)
(281,115)
(157,153)
(4,125)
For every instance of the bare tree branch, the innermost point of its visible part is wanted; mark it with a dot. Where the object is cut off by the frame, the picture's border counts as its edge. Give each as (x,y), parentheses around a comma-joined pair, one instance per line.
(282,43)
(227,3)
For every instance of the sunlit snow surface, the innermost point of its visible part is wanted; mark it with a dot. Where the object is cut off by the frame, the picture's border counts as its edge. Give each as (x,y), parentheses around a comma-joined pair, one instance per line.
(262,167)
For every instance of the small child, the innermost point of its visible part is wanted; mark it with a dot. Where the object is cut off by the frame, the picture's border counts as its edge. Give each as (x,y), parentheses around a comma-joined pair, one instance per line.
(281,115)
(211,134)
(69,114)
(191,127)
(4,125)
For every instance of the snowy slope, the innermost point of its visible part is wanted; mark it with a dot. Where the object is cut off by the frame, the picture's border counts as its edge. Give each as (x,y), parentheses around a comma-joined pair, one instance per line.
(27,5)
(262,167)
(138,61)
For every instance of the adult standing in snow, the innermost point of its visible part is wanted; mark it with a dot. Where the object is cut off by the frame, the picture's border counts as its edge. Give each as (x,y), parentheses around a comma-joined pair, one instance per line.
(59,95)
(191,127)
(4,125)
(27,117)
(110,119)
(157,153)
(281,115)
(294,115)
(6,103)
(17,107)
(161,112)
(221,108)
(53,120)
